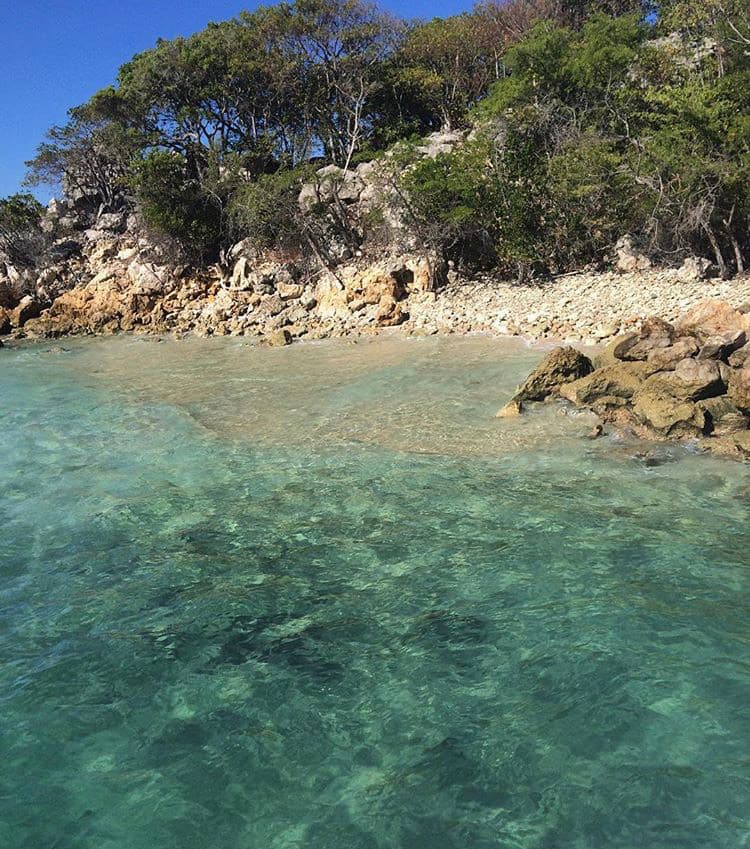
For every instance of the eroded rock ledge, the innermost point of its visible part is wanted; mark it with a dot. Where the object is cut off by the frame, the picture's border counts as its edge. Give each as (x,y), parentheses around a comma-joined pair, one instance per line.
(688,380)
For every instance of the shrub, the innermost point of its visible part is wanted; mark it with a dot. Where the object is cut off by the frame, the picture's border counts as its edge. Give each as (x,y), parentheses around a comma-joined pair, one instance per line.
(21,238)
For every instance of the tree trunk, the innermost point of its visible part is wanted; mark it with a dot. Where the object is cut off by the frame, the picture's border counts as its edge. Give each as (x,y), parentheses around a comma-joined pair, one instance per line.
(739,259)
(720,261)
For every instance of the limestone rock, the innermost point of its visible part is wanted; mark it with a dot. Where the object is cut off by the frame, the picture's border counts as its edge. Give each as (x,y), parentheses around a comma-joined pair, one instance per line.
(560,366)
(240,274)
(390,313)
(288,291)
(279,338)
(695,268)
(740,357)
(439,142)
(691,380)
(331,184)
(654,334)
(667,358)
(511,410)
(698,379)
(629,257)
(616,381)
(668,416)
(27,309)
(724,417)
(720,347)
(114,222)
(606,357)
(712,318)
(5,322)
(735,445)
(738,390)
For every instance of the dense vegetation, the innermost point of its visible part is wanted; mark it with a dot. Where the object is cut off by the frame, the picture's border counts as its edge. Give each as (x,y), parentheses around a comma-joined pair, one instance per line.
(591,119)
(20,229)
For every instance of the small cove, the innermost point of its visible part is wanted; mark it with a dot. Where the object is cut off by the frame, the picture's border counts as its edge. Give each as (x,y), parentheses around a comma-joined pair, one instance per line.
(319,597)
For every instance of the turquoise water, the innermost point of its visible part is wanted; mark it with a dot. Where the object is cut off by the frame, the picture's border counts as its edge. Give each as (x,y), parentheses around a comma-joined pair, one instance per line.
(319,598)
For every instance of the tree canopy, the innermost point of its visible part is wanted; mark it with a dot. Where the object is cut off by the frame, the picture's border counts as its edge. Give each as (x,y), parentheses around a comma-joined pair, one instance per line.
(588,118)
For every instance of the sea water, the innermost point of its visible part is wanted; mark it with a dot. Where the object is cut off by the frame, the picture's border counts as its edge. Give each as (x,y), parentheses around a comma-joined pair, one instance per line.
(320,598)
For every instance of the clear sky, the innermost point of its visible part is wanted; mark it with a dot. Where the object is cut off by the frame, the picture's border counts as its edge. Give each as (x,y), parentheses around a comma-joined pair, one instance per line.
(56,53)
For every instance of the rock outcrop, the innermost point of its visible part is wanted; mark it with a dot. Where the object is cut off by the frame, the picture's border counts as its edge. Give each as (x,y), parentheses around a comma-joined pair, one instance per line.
(688,380)
(121,287)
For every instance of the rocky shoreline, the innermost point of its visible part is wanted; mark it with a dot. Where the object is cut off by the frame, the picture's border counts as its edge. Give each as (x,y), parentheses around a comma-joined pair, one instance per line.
(110,284)
(681,376)
(682,381)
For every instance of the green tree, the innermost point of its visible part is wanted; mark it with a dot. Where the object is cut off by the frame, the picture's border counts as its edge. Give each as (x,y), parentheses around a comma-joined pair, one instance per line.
(21,238)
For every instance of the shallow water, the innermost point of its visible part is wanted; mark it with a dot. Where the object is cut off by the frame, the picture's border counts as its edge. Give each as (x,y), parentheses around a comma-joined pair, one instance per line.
(319,598)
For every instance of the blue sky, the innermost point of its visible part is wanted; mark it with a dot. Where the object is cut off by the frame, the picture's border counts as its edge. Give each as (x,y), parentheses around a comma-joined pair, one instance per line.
(56,53)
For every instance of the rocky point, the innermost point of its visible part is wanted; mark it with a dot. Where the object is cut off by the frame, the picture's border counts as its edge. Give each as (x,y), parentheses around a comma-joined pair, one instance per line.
(687,380)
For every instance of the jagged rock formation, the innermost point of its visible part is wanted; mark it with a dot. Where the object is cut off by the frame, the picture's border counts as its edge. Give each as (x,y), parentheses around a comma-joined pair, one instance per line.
(105,272)
(687,380)
(120,285)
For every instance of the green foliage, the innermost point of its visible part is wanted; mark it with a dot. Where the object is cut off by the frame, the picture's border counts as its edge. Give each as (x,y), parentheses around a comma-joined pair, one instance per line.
(585,126)
(267,211)
(177,204)
(598,132)
(20,231)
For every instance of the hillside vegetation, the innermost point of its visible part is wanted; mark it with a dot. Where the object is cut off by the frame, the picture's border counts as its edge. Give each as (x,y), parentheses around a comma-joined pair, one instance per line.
(578,122)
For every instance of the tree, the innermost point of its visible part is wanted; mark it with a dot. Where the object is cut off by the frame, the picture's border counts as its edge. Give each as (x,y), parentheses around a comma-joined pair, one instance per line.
(451,63)
(89,156)
(21,236)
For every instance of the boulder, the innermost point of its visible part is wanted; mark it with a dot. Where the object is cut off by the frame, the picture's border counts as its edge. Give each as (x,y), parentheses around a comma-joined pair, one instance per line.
(735,445)
(511,410)
(629,257)
(145,278)
(740,357)
(113,222)
(439,142)
(606,357)
(720,347)
(654,334)
(560,366)
(289,291)
(695,269)
(665,359)
(619,381)
(606,330)
(390,313)
(5,322)
(279,338)
(712,318)
(668,416)
(738,390)
(331,184)
(27,309)
(723,416)
(691,380)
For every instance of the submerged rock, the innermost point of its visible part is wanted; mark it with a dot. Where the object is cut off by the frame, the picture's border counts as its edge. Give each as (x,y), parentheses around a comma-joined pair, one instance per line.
(511,410)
